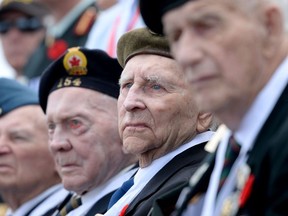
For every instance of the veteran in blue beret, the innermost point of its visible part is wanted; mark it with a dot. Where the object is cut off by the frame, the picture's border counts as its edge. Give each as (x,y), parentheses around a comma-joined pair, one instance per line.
(29,183)
(14,95)
(78,92)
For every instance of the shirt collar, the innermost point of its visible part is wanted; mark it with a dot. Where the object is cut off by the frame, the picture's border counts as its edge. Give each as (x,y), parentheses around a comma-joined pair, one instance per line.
(264,102)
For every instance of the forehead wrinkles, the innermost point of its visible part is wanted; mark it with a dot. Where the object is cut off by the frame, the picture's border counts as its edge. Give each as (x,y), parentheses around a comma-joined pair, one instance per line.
(140,71)
(246,7)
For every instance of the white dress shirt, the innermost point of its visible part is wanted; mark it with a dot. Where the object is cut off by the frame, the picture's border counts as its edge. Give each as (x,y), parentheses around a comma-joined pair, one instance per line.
(47,200)
(144,175)
(91,197)
(245,135)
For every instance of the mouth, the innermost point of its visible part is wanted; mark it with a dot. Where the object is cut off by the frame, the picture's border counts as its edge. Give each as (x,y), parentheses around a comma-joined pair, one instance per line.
(68,168)
(135,126)
(5,167)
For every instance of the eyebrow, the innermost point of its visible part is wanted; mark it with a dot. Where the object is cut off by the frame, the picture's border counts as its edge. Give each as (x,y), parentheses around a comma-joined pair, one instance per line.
(152,79)
(123,79)
(206,14)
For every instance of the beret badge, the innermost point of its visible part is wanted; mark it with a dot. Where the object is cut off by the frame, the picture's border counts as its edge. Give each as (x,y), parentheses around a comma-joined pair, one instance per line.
(75,62)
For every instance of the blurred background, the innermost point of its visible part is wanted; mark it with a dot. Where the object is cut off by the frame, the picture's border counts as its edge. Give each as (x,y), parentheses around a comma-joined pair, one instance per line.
(6,70)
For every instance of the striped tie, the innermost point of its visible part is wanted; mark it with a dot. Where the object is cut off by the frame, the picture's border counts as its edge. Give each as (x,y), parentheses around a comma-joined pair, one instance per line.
(232,152)
(73,203)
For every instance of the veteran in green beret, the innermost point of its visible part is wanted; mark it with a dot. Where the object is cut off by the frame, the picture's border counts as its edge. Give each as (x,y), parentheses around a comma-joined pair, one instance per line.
(29,182)
(78,92)
(159,121)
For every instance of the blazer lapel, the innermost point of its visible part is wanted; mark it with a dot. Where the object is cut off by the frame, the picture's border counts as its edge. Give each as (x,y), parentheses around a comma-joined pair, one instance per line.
(198,184)
(100,206)
(177,163)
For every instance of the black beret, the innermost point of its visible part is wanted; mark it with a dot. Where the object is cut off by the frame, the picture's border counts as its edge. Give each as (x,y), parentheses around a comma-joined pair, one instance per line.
(14,95)
(141,41)
(28,7)
(84,68)
(153,10)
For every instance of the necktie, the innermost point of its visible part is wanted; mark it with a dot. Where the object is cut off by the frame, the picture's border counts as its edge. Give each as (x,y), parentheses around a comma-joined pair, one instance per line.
(120,192)
(232,152)
(73,203)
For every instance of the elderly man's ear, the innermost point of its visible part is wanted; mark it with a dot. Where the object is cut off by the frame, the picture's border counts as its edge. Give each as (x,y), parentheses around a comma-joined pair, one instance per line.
(205,121)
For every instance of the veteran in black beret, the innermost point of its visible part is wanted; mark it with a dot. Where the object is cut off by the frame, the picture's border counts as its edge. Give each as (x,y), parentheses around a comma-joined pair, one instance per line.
(29,183)
(155,107)
(207,39)
(78,92)
(84,68)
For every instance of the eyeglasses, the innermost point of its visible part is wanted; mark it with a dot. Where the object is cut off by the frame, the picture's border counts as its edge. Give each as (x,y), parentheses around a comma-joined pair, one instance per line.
(22,24)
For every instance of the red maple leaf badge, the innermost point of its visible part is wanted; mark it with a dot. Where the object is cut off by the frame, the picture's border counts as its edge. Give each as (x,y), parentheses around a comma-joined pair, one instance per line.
(74,61)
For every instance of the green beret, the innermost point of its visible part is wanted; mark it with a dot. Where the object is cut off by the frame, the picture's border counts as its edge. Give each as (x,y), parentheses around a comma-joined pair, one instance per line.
(14,95)
(141,41)
(83,68)
(153,10)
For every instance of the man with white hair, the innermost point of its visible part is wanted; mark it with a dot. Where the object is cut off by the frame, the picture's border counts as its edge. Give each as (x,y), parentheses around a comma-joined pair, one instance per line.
(234,54)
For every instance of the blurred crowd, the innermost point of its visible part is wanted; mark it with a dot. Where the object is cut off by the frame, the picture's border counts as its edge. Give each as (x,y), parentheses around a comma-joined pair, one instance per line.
(143,108)
(35,33)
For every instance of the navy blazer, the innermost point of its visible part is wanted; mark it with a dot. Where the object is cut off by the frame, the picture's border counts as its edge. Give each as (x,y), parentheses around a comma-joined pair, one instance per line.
(175,172)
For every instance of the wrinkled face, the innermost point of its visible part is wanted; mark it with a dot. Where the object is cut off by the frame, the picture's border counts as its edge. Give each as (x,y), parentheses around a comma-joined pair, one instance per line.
(221,49)
(156,109)
(25,160)
(83,136)
(19,45)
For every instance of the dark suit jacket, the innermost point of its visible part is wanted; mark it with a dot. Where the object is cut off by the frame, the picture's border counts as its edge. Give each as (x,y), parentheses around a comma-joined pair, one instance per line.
(177,171)
(100,206)
(268,161)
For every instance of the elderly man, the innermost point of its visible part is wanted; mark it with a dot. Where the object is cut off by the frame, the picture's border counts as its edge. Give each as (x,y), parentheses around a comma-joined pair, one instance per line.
(29,182)
(234,54)
(79,94)
(159,120)
(21,31)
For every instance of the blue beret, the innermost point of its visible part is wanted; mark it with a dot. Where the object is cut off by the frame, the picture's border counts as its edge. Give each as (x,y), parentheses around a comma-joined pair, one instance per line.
(14,95)
(84,68)
(153,10)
